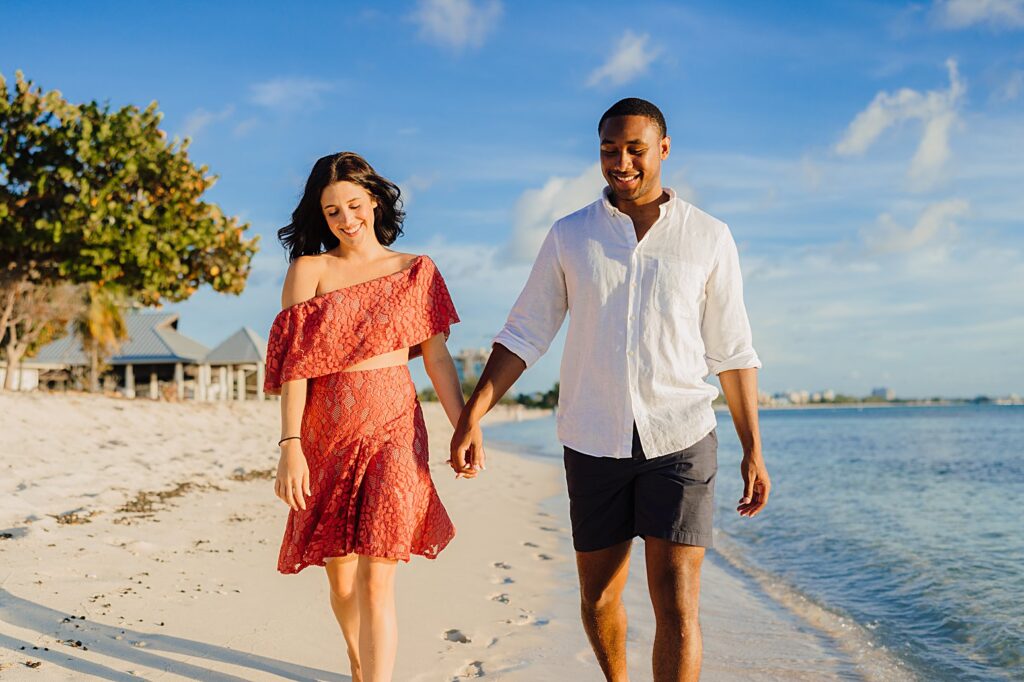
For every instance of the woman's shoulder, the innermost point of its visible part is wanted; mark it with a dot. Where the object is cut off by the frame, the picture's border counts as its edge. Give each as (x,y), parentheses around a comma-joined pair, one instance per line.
(407,260)
(302,280)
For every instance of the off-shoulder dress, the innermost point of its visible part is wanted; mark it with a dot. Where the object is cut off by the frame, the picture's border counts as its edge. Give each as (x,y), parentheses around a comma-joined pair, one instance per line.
(363,432)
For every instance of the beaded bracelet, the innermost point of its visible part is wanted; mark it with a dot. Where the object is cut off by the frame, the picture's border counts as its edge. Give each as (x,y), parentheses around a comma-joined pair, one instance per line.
(288,438)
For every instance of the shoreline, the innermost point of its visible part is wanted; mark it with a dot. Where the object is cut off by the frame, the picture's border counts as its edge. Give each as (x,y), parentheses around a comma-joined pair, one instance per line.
(181,582)
(822,644)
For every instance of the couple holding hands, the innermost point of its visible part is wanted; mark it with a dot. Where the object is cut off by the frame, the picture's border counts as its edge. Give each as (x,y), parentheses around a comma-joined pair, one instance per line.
(653,290)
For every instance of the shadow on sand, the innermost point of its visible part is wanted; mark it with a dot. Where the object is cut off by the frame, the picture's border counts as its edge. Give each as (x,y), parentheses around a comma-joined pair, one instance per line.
(138,649)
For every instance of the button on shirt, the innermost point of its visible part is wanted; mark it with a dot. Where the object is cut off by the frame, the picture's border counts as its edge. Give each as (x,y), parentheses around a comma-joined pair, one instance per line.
(648,321)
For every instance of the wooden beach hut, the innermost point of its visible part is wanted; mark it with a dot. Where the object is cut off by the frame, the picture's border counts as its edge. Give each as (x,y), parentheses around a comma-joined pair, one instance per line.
(240,363)
(156,354)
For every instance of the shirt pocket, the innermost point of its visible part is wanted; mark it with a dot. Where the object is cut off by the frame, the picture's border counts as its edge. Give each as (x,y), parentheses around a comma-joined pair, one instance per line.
(678,287)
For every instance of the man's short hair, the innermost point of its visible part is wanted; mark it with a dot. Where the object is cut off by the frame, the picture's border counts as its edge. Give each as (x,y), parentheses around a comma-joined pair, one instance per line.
(634,106)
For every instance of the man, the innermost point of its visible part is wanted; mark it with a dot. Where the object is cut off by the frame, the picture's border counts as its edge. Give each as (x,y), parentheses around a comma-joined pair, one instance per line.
(653,288)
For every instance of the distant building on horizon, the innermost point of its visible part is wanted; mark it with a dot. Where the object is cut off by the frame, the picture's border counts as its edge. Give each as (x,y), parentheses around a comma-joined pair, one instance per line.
(469,363)
(883,393)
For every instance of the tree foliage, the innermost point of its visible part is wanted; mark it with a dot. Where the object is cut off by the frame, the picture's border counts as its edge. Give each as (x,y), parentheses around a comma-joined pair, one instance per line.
(40,314)
(101,326)
(97,196)
(93,194)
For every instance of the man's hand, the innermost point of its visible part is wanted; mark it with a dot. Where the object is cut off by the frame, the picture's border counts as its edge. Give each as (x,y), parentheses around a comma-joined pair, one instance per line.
(756,486)
(467,450)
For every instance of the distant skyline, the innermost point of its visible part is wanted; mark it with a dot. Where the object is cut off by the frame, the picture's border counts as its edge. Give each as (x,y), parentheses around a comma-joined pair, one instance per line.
(867,156)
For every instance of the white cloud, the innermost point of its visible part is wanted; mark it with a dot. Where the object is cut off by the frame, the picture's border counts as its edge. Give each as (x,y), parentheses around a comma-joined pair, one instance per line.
(936,109)
(200,119)
(537,209)
(457,24)
(289,94)
(245,127)
(935,226)
(1001,14)
(631,58)
(414,184)
(1012,88)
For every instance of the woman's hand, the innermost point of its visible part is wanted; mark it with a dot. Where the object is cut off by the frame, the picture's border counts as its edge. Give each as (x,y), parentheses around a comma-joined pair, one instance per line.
(292,483)
(467,449)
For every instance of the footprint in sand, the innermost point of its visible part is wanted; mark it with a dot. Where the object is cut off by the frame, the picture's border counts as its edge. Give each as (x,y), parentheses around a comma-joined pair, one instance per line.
(503,598)
(502,565)
(473,669)
(530,544)
(527,618)
(502,580)
(549,529)
(545,557)
(456,636)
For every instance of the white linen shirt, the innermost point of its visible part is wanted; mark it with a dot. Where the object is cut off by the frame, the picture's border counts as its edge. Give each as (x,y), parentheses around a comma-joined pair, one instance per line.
(648,322)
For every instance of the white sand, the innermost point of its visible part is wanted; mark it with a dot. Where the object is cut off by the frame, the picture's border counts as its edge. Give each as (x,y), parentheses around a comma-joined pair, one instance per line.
(190,590)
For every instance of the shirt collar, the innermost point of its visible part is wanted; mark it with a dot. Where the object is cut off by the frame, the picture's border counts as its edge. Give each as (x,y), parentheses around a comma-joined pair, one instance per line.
(663,209)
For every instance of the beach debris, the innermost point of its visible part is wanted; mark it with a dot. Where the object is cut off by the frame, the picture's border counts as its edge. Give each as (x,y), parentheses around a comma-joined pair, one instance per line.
(6,536)
(33,664)
(74,518)
(456,636)
(243,476)
(145,500)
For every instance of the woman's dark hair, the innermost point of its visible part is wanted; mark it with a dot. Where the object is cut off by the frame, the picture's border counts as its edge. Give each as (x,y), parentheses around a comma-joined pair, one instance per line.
(307,234)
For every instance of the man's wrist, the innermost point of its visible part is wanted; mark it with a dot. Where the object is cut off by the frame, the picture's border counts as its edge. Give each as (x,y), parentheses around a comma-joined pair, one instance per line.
(475,411)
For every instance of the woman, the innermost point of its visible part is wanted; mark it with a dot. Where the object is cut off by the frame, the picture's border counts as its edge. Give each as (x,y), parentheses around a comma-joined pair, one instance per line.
(353,464)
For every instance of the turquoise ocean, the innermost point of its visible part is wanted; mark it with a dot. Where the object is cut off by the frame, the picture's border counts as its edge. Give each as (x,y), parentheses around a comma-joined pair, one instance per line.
(904,520)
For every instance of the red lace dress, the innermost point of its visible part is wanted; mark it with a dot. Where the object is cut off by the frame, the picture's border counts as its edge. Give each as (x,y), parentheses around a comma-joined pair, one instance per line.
(363,433)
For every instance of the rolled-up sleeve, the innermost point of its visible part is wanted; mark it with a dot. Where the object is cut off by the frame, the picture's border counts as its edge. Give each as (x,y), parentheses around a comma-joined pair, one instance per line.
(724,325)
(539,311)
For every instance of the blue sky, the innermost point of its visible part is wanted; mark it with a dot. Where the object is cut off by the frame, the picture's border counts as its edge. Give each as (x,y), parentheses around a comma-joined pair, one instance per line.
(868,157)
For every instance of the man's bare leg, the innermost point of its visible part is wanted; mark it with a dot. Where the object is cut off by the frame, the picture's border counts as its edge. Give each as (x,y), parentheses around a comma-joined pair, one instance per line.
(602,579)
(673,579)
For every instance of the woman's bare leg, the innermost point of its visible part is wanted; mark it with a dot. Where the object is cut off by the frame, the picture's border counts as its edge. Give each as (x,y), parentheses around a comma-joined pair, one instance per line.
(378,625)
(341,573)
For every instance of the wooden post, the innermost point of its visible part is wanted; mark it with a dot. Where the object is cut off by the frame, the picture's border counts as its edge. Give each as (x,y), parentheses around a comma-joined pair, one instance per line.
(154,388)
(241,383)
(260,375)
(179,380)
(230,385)
(129,381)
(222,382)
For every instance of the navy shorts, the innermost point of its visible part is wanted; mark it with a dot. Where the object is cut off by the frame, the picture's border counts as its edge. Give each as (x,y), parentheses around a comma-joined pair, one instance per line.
(613,499)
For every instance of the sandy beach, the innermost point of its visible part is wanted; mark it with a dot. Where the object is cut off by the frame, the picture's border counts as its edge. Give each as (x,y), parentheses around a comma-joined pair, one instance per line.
(139,540)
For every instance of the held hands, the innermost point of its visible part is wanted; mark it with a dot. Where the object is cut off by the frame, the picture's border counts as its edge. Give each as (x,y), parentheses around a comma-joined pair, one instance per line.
(467,450)
(292,483)
(756,485)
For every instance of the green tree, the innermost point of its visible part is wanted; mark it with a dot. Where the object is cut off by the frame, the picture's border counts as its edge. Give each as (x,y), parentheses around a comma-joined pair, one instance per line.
(93,195)
(101,326)
(40,314)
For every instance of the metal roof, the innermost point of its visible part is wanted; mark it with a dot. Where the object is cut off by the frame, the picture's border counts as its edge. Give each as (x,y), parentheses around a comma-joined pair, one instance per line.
(153,338)
(243,346)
